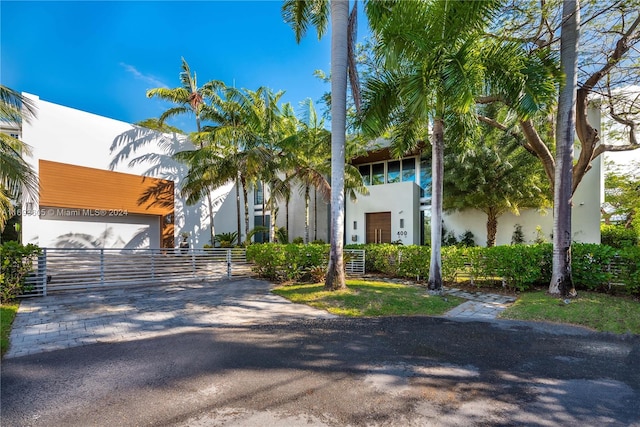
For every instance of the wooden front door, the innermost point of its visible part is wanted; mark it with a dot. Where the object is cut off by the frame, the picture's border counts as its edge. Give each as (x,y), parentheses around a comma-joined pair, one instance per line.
(378,227)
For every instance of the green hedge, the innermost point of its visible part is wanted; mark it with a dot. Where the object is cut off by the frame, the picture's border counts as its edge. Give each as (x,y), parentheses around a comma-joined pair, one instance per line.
(618,237)
(594,267)
(16,262)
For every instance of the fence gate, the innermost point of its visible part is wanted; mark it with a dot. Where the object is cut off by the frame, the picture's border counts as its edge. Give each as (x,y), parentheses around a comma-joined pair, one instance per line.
(60,269)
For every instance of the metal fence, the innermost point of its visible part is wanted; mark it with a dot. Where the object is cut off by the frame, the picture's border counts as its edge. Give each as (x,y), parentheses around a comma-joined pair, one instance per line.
(77,269)
(61,269)
(354,261)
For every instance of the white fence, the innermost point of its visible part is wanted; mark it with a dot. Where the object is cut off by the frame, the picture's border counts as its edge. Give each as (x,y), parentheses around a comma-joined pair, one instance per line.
(354,261)
(61,269)
(74,269)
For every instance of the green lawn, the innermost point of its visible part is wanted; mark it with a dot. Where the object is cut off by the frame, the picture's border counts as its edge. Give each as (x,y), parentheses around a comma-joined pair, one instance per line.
(7,314)
(601,312)
(364,298)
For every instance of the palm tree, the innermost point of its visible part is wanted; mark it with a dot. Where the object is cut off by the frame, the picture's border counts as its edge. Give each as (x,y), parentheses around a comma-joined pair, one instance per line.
(299,14)
(17,177)
(432,71)
(190,99)
(561,279)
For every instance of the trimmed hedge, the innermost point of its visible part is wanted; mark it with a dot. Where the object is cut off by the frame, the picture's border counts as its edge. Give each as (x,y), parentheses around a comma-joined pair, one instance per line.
(618,237)
(594,267)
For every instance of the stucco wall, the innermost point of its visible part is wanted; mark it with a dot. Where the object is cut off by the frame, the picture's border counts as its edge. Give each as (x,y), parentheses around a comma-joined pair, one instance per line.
(67,135)
(402,199)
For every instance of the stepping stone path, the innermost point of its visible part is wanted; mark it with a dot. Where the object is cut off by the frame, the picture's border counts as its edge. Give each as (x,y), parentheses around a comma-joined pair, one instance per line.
(480,305)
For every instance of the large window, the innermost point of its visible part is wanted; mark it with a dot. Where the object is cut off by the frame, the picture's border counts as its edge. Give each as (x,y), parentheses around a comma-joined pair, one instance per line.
(389,172)
(258,194)
(393,171)
(365,171)
(408,170)
(425,178)
(377,173)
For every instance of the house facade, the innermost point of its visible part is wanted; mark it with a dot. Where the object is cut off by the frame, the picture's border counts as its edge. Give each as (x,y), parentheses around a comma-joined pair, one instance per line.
(107,183)
(104,183)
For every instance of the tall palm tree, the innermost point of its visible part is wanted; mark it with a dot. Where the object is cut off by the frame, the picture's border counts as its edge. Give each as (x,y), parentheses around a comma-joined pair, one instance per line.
(561,280)
(189,99)
(432,71)
(299,14)
(17,177)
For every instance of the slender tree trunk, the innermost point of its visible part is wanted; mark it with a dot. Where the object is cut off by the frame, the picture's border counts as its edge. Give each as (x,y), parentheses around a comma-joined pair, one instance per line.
(286,214)
(561,279)
(272,215)
(209,201)
(492,227)
(306,213)
(315,214)
(243,181)
(239,215)
(339,39)
(437,182)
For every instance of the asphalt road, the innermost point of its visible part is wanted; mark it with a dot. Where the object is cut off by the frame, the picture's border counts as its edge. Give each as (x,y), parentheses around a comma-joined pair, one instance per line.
(399,371)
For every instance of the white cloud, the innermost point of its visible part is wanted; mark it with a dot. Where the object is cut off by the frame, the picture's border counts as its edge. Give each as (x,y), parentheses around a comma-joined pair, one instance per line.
(154,82)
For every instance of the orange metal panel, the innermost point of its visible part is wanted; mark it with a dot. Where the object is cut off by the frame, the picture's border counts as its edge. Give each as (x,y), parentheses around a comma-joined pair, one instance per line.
(72,186)
(69,186)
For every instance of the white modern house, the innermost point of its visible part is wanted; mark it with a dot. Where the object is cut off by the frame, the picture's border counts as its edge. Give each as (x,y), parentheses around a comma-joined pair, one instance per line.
(95,171)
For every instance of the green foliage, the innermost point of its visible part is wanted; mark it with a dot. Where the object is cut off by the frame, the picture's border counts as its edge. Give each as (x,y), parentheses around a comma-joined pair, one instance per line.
(298,241)
(226,240)
(7,314)
(282,235)
(618,236)
(16,262)
(467,239)
(517,238)
(284,263)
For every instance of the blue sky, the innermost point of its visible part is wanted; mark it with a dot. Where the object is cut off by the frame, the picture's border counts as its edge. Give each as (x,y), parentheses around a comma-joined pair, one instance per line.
(102,57)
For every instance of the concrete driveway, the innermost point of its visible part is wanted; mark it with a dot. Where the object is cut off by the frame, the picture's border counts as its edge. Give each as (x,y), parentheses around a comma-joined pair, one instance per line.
(231,354)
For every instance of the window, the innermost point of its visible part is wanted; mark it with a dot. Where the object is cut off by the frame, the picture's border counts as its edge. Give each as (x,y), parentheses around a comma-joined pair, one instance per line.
(365,171)
(425,178)
(258,194)
(393,171)
(377,173)
(408,170)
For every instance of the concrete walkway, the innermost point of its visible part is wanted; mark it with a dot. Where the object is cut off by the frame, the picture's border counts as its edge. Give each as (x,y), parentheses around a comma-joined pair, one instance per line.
(70,320)
(481,305)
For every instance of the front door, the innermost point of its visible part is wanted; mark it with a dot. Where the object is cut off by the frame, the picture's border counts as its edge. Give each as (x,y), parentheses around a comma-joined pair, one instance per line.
(378,227)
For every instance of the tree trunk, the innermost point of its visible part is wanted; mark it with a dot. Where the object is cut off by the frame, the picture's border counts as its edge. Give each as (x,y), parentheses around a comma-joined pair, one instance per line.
(492,227)
(239,215)
(437,180)
(339,39)
(561,279)
(315,214)
(306,214)
(243,181)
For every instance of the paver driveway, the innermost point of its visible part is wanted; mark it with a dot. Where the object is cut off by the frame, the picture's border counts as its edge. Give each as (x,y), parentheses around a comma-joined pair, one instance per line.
(70,320)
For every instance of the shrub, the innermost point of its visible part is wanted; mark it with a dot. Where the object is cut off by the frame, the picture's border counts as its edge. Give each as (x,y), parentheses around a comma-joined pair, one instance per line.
(617,236)
(288,262)
(298,241)
(16,262)
(517,238)
(467,239)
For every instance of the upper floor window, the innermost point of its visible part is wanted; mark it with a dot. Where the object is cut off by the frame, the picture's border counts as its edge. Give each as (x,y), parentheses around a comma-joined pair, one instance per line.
(258,194)
(389,172)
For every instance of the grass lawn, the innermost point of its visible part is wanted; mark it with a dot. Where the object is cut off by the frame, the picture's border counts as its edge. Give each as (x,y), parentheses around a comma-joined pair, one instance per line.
(363,298)
(7,314)
(601,312)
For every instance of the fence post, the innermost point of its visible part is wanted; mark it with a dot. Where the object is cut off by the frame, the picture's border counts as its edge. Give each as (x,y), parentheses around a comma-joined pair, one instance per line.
(193,261)
(229,263)
(153,265)
(102,266)
(42,270)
